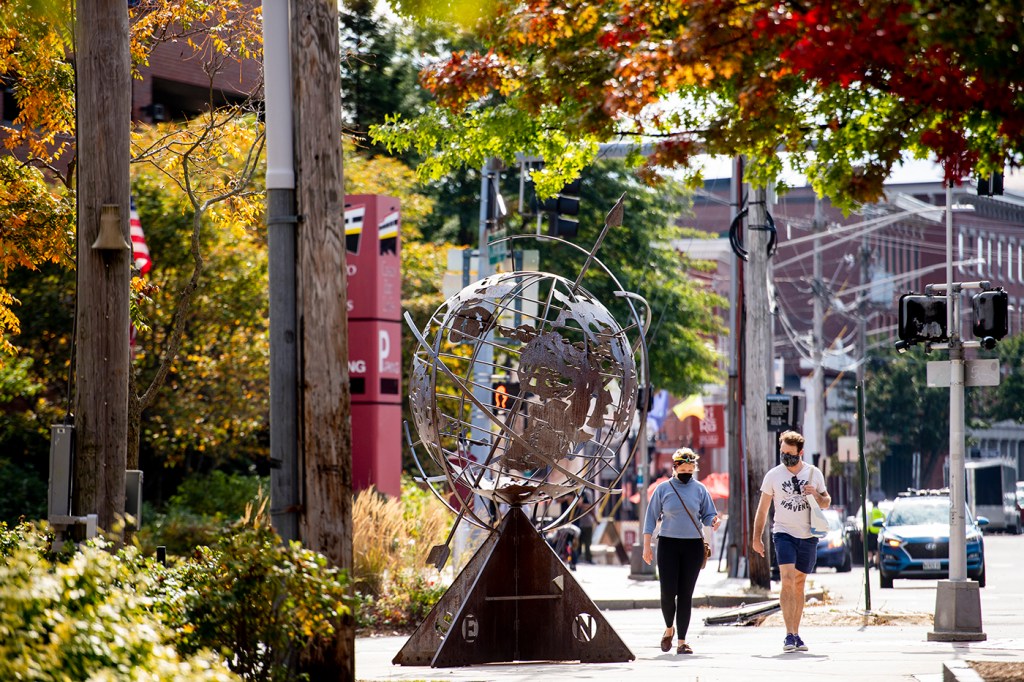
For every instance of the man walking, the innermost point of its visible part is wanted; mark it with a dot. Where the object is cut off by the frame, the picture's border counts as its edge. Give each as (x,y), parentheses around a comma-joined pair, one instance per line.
(787,486)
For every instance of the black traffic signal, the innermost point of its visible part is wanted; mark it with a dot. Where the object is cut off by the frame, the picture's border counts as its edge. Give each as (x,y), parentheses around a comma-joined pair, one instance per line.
(563,211)
(922,318)
(990,186)
(990,316)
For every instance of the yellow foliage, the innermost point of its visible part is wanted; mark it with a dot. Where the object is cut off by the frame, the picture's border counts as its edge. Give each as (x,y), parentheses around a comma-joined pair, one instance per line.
(391,537)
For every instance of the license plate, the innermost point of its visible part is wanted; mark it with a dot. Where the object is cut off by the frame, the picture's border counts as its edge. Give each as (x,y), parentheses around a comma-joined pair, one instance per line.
(932,565)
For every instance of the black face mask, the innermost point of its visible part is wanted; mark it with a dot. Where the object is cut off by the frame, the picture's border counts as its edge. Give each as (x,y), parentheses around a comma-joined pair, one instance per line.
(791,460)
(685,478)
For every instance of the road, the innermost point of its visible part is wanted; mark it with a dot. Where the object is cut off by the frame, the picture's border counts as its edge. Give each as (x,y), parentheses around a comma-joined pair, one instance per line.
(1000,599)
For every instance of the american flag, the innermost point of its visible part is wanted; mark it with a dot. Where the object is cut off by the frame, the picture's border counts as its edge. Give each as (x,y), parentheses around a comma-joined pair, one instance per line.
(140,252)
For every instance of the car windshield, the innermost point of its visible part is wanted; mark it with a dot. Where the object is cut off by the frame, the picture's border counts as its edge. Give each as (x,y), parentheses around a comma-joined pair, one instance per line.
(914,512)
(835,522)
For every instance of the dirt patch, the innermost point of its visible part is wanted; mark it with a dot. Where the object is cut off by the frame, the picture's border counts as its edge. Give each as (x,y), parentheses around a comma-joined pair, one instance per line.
(999,671)
(824,616)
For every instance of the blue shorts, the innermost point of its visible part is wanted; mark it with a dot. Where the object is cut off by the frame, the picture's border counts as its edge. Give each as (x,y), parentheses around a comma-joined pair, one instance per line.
(801,552)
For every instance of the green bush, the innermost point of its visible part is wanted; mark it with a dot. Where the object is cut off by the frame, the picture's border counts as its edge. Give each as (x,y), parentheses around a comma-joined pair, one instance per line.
(86,616)
(258,602)
(199,512)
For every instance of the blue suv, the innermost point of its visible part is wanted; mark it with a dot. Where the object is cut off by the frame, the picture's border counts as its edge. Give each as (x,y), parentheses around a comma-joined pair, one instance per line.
(914,540)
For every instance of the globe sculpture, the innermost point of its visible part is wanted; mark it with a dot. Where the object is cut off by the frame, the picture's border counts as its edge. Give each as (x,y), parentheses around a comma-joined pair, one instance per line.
(576,374)
(559,434)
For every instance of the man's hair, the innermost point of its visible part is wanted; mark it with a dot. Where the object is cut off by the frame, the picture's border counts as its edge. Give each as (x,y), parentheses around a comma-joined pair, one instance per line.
(792,438)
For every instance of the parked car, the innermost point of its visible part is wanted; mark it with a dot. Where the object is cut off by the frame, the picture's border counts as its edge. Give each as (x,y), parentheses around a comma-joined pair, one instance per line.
(914,540)
(834,549)
(1020,501)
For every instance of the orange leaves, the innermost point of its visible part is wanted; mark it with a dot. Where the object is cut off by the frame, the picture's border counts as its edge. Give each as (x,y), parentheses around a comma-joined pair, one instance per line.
(466,78)
(227,29)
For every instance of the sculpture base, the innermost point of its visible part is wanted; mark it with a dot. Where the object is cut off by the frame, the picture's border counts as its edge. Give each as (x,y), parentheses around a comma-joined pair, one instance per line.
(957,612)
(514,601)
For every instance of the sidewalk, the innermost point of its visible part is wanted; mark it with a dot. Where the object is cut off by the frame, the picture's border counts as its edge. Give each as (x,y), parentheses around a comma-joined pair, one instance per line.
(726,653)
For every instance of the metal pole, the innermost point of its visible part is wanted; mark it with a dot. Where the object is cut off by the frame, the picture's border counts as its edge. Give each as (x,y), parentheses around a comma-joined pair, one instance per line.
(957,600)
(281,225)
(863,494)
(957,475)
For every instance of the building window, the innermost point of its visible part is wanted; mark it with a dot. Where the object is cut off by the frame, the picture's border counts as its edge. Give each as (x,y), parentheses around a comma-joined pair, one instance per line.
(960,250)
(981,256)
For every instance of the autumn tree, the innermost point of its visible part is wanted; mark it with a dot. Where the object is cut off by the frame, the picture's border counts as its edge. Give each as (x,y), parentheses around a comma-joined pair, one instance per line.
(843,86)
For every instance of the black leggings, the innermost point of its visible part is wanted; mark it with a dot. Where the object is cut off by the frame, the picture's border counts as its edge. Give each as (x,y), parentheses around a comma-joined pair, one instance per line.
(679,563)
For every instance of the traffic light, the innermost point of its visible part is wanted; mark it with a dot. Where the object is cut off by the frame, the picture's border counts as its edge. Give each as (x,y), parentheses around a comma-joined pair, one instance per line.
(563,211)
(504,393)
(921,318)
(990,186)
(990,316)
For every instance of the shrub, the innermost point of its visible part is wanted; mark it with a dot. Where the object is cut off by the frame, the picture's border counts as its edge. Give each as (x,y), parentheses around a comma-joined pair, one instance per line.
(256,601)
(85,616)
(199,512)
(390,542)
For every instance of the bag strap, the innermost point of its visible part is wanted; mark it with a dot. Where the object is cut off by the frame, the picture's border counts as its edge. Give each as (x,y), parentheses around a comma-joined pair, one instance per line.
(686,508)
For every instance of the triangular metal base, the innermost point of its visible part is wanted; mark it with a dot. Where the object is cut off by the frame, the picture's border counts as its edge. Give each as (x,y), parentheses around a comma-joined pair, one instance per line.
(514,601)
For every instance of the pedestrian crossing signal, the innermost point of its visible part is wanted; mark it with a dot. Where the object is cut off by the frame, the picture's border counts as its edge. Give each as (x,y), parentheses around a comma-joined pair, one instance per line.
(504,393)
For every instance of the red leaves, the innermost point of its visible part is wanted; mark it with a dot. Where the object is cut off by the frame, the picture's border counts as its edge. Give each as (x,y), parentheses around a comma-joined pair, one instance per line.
(465,78)
(950,145)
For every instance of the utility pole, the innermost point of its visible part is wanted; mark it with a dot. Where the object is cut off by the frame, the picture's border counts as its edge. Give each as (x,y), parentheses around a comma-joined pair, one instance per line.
(757,368)
(102,360)
(734,443)
(817,397)
(324,412)
(862,346)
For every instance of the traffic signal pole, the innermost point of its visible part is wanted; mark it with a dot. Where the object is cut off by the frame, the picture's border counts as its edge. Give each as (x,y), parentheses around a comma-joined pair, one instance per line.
(957,600)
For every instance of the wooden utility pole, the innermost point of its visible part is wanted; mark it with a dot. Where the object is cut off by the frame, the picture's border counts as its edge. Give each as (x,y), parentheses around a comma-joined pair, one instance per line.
(101,317)
(325,430)
(757,370)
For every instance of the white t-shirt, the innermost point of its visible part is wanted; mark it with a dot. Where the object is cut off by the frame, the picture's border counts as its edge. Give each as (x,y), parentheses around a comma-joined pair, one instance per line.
(792,511)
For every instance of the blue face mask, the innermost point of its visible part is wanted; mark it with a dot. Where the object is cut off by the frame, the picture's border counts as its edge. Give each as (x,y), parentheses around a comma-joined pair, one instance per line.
(685,478)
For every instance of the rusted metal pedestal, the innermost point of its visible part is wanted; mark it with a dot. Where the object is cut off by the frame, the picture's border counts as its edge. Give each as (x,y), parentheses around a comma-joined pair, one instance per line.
(514,601)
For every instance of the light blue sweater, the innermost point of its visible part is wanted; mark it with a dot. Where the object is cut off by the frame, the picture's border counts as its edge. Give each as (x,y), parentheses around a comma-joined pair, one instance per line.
(675,522)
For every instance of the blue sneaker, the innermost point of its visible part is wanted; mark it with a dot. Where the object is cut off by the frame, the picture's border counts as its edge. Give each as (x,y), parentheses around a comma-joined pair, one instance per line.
(790,643)
(800,646)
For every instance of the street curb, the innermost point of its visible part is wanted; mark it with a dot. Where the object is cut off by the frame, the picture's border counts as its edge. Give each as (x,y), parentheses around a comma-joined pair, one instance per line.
(959,671)
(704,600)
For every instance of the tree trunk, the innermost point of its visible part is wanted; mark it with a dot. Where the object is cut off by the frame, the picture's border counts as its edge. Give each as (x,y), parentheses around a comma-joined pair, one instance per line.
(101,371)
(325,434)
(757,372)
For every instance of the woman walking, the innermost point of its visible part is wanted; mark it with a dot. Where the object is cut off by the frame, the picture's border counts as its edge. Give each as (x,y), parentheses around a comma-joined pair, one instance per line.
(684,507)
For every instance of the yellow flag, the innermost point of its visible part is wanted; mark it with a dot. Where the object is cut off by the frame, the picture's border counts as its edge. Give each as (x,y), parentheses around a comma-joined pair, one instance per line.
(691,407)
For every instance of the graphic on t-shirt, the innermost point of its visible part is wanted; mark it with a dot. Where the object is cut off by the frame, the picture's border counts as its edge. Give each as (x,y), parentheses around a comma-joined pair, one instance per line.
(794,499)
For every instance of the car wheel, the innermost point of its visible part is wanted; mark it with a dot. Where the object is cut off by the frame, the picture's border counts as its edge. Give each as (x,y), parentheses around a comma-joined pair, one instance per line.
(981,577)
(847,564)
(884,580)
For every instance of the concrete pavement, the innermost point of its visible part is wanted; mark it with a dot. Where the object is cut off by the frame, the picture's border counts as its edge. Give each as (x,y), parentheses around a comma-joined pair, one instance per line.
(845,650)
